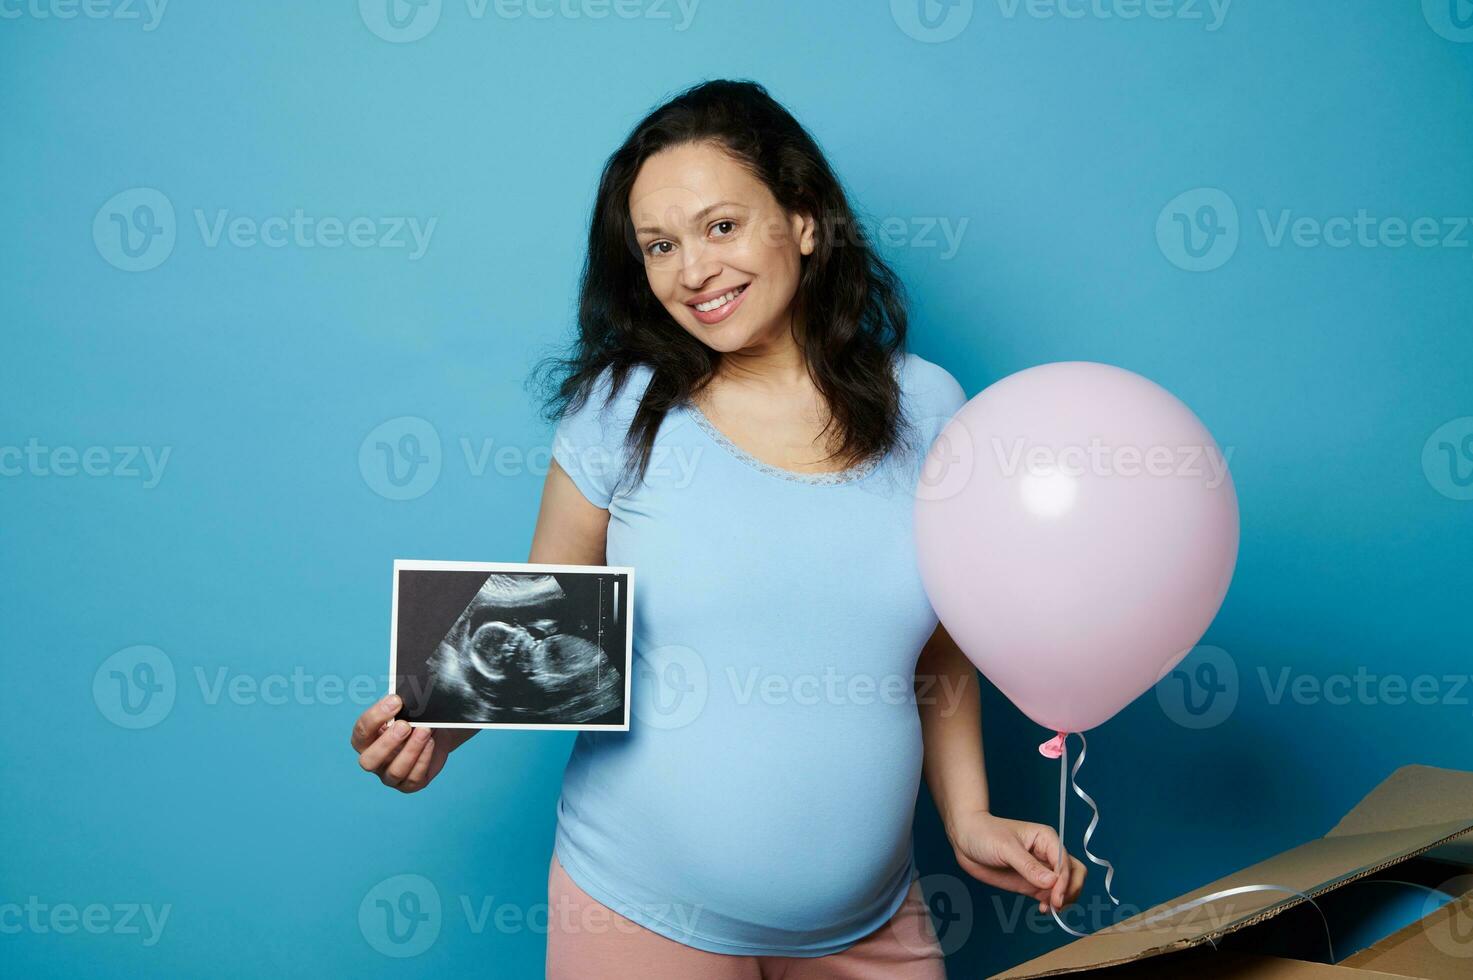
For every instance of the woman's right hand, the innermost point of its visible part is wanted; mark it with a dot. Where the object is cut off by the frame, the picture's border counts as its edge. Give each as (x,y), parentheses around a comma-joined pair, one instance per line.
(401,755)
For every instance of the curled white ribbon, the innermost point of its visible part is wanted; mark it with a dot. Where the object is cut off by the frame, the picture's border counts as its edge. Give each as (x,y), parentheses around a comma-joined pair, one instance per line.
(1067,778)
(1228,893)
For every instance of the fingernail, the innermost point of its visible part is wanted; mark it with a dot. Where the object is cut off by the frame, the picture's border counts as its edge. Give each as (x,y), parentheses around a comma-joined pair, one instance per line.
(421,734)
(393,701)
(401,727)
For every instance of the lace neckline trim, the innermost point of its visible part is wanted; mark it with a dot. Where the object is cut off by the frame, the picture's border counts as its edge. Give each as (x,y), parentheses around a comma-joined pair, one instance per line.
(835,478)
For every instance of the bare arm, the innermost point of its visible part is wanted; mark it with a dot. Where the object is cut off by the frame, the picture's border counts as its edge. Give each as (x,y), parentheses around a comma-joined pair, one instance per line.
(570,531)
(950,705)
(1014,854)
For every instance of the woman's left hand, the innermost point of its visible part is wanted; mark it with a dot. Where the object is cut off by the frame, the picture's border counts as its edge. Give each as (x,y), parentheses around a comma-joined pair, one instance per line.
(1017,856)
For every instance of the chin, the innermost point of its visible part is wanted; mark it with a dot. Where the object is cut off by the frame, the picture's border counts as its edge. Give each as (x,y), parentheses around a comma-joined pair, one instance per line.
(728,337)
(724,343)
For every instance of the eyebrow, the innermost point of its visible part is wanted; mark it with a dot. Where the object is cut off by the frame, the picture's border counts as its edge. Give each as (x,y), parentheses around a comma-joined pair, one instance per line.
(700,215)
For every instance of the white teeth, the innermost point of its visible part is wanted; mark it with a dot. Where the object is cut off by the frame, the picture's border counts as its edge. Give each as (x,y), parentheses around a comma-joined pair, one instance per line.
(718,302)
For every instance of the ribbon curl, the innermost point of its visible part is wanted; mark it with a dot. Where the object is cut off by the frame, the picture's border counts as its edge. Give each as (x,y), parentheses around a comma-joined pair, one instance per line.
(1058,748)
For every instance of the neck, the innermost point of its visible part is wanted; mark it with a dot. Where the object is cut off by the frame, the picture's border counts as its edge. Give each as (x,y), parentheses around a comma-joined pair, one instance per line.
(775,363)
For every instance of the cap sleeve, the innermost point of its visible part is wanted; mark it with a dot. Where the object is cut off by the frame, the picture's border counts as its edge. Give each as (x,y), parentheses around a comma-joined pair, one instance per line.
(934,395)
(589,442)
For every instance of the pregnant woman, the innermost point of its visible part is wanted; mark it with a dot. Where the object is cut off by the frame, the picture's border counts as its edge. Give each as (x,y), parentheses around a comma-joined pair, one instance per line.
(740,421)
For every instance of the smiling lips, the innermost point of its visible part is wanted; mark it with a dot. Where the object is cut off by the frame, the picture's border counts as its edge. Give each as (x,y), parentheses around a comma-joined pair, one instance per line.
(717,307)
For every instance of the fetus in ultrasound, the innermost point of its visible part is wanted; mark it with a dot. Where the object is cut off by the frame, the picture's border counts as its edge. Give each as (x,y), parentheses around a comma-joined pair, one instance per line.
(524,651)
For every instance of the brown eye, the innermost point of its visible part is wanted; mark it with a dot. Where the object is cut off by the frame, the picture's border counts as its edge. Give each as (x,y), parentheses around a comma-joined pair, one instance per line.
(727,222)
(654,245)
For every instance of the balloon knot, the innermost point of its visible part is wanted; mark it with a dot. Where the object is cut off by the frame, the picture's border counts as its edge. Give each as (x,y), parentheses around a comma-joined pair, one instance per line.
(1053,748)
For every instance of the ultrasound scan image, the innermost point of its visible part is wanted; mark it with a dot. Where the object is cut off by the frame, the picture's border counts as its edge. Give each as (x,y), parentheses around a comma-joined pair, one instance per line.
(528,648)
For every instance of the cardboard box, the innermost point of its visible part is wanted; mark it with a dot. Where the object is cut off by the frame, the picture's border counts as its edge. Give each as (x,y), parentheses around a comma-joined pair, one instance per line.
(1410,828)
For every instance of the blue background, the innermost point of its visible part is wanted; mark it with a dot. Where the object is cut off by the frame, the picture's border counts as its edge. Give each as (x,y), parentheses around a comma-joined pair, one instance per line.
(265,548)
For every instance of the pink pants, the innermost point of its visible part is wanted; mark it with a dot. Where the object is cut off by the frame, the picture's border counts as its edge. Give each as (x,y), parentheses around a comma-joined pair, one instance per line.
(587,940)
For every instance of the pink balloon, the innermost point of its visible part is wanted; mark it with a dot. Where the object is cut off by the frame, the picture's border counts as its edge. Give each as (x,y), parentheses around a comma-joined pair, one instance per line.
(1076,529)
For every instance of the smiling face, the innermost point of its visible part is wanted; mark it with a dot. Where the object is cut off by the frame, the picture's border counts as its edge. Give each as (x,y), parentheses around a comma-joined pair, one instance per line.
(708,229)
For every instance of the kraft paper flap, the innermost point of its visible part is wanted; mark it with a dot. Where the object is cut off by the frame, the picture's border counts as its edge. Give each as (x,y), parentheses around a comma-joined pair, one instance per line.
(1458,851)
(1414,808)
(1207,965)
(1411,796)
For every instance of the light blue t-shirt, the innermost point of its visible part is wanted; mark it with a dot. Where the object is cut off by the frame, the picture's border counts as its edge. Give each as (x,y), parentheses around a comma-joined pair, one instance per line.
(761,802)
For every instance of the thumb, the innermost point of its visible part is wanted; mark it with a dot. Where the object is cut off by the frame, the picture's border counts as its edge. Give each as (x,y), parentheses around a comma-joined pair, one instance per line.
(1027,865)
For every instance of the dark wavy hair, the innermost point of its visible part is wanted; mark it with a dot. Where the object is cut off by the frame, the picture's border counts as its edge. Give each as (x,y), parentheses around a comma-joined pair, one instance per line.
(852,304)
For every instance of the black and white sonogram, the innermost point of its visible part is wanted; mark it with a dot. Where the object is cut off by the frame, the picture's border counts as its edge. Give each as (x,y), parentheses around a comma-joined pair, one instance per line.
(483,645)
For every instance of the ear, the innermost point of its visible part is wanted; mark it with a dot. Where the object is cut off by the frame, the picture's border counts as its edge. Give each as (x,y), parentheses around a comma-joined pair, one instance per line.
(803,231)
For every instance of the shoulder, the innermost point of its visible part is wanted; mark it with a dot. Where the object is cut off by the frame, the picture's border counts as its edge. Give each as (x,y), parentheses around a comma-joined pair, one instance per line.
(609,400)
(929,388)
(590,442)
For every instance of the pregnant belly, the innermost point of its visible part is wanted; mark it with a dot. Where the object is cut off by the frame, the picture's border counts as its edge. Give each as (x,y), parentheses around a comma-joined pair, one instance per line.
(795,826)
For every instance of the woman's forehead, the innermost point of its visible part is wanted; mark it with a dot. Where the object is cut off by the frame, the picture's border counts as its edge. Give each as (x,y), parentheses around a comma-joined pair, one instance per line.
(675,186)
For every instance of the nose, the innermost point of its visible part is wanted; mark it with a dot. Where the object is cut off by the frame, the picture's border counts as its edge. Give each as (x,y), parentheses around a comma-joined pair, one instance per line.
(696,270)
